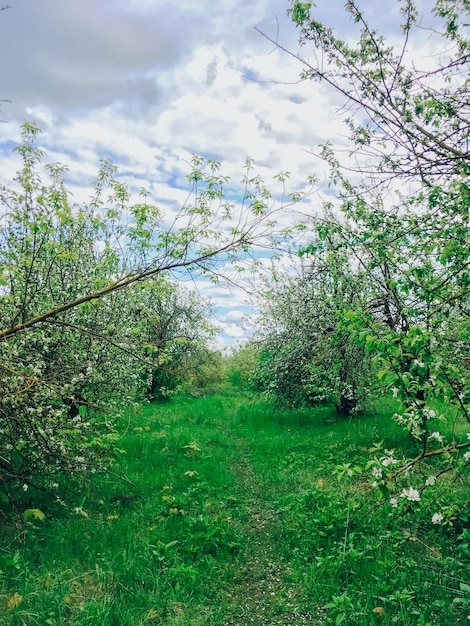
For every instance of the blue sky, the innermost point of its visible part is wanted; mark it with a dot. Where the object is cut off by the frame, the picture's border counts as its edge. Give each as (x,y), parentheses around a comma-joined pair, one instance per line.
(151,82)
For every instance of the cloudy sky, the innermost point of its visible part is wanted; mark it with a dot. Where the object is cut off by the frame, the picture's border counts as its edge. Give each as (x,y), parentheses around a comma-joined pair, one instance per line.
(150,82)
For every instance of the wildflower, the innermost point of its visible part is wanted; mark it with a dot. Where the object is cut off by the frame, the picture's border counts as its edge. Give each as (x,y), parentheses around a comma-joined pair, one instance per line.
(437,518)
(25,487)
(466,456)
(394,502)
(430,481)
(411,494)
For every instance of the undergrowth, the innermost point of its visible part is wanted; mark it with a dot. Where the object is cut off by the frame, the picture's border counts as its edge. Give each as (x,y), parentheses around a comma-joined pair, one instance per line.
(225,511)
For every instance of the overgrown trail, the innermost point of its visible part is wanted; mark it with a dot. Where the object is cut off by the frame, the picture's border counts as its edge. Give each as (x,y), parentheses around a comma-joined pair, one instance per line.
(236,518)
(265,589)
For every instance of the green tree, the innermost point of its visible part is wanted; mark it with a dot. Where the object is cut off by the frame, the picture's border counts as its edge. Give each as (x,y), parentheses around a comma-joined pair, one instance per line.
(174,327)
(74,346)
(240,365)
(204,371)
(310,354)
(404,200)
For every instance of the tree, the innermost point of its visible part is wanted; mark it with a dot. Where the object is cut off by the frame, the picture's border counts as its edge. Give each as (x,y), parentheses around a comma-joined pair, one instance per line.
(406,121)
(309,354)
(205,373)
(174,327)
(74,345)
(240,365)
(56,374)
(404,200)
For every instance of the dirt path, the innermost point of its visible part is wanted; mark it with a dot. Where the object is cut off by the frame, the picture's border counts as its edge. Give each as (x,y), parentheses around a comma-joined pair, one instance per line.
(264,592)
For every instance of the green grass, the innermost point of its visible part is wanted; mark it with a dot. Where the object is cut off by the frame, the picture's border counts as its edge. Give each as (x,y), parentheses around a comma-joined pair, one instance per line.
(232,513)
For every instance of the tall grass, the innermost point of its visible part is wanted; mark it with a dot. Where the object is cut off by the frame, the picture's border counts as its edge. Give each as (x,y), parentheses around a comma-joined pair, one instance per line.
(224,511)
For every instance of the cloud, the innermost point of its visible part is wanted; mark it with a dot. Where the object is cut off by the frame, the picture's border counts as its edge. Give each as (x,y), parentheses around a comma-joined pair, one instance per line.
(77,55)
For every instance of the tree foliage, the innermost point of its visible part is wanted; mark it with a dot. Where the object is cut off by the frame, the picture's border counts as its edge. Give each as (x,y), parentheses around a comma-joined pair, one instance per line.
(402,210)
(90,316)
(309,353)
(240,365)
(174,328)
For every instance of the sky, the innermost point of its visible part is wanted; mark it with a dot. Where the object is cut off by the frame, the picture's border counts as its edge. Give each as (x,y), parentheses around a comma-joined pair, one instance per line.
(151,82)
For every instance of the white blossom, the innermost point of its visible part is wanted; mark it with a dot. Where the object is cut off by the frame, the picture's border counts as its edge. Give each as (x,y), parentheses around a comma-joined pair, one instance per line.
(429,413)
(411,494)
(437,436)
(437,518)
(377,472)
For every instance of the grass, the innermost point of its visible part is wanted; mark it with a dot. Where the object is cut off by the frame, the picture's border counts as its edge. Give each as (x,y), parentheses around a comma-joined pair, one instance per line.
(231,514)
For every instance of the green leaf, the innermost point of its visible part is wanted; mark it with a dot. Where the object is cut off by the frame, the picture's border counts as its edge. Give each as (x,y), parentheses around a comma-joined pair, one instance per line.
(30,515)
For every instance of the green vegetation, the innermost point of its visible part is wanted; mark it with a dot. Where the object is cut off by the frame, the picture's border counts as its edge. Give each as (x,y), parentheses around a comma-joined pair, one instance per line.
(341,497)
(92,316)
(233,513)
(381,299)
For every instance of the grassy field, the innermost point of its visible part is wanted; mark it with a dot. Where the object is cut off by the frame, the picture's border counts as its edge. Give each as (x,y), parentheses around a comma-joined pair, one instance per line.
(233,513)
